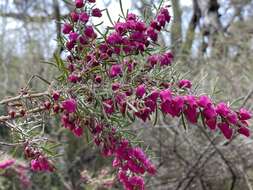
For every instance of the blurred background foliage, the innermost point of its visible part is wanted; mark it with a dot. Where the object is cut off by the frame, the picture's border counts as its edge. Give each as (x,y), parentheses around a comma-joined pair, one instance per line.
(212,41)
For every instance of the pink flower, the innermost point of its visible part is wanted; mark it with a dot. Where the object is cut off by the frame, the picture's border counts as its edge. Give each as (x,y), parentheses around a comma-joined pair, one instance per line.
(140,91)
(152,34)
(191,114)
(96,12)
(161,20)
(79,3)
(222,109)
(7,163)
(165,95)
(226,130)
(184,83)
(67,28)
(166,14)
(153,60)
(131,16)
(69,105)
(78,131)
(120,27)
(73,36)
(244,131)
(115,86)
(244,114)
(204,101)
(70,45)
(114,38)
(143,113)
(84,17)
(154,95)
(173,106)
(155,25)
(92,1)
(209,112)
(89,32)
(108,106)
(211,123)
(232,118)
(73,78)
(74,16)
(56,95)
(115,70)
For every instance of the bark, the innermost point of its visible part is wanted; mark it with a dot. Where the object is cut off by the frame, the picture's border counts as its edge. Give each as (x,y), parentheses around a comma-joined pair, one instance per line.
(176,28)
(190,34)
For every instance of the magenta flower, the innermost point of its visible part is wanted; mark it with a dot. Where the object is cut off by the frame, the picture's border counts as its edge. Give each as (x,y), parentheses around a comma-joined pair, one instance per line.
(7,163)
(74,16)
(222,109)
(79,3)
(56,95)
(204,101)
(152,34)
(211,123)
(78,131)
(226,130)
(173,106)
(73,36)
(114,38)
(120,27)
(209,112)
(96,12)
(165,95)
(89,32)
(161,20)
(244,114)
(244,131)
(84,17)
(108,106)
(67,28)
(191,114)
(184,83)
(140,90)
(115,70)
(69,105)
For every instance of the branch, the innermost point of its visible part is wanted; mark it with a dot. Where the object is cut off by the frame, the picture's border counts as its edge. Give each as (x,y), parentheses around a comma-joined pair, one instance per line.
(21,96)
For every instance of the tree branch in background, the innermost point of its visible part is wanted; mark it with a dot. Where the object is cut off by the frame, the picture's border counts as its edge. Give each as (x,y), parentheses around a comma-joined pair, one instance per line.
(176,28)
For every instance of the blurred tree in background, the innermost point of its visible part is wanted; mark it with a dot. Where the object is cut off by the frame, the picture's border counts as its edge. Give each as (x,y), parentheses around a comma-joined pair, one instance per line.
(212,41)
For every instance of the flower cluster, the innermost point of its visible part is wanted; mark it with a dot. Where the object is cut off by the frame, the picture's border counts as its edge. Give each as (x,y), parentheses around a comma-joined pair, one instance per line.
(116,86)
(111,80)
(38,161)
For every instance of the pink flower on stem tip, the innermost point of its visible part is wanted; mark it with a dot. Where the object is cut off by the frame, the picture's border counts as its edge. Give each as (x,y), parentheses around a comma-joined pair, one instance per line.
(204,101)
(78,131)
(165,95)
(79,3)
(226,130)
(244,131)
(89,32)
(115,70)
(7,163)
(74,16)
(211,123)
(244,114)
(222,109)
(140,91)
(96,12)
(84,17)
(108,106)
(69,105)
(67,28)
(184,83)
